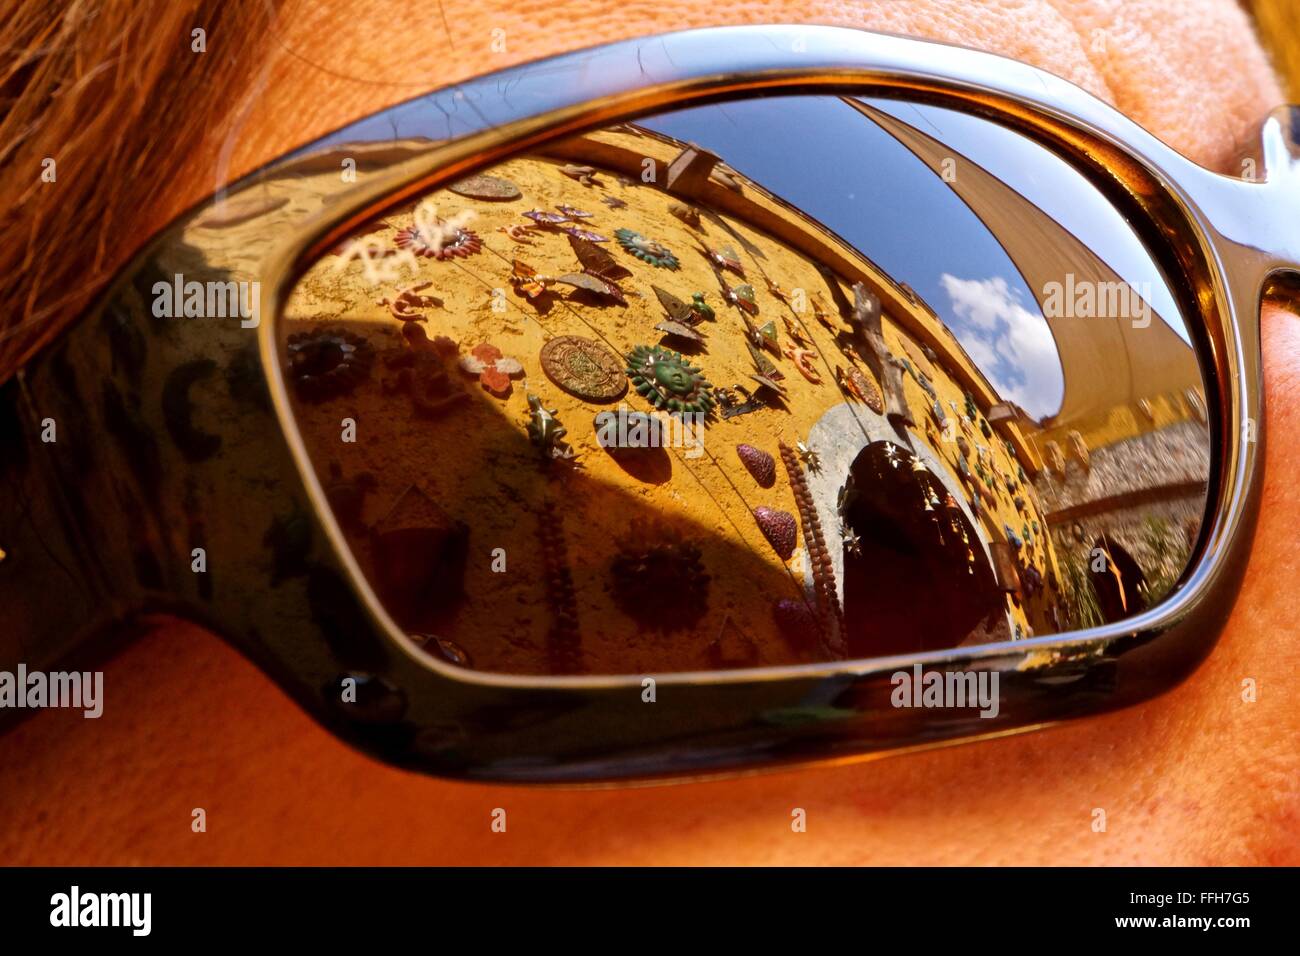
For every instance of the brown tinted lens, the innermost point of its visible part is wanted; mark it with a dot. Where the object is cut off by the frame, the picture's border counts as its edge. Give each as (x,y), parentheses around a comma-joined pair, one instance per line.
(763,382)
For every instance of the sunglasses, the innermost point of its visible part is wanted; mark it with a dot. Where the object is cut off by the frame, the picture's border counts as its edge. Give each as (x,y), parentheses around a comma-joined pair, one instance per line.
(715,401)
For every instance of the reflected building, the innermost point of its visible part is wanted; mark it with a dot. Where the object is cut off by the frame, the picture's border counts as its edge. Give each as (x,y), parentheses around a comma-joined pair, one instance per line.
(1121,467)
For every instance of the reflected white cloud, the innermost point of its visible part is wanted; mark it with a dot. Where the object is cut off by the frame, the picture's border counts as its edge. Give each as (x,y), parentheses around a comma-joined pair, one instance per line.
(1012,346)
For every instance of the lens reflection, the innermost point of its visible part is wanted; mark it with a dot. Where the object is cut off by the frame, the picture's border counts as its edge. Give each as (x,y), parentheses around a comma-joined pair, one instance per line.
(762,382)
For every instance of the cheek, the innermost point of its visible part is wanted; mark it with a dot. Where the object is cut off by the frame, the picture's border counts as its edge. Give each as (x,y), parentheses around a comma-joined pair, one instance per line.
(1281,327)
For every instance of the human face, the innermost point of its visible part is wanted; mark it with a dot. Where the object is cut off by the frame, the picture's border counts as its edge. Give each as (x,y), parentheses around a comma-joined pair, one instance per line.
(1154,64)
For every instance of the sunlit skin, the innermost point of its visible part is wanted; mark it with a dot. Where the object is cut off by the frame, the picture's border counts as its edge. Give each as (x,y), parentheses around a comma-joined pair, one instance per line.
(1196,776)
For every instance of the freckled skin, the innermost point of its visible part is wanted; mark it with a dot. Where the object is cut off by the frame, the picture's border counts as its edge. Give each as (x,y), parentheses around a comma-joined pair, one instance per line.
(1196,776)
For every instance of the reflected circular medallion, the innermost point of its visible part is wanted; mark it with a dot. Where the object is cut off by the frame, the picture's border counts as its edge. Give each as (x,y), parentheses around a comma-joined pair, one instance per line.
(584,368)
(490,188)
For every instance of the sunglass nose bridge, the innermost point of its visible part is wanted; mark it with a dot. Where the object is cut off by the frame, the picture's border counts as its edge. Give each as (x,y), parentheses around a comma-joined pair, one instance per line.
(1255,201)
(1280,146)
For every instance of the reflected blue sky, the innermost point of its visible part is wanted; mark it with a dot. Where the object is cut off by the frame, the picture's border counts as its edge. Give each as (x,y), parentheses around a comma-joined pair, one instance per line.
(819,154)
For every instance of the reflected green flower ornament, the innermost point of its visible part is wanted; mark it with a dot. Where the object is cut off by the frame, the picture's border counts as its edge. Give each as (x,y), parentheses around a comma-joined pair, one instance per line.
(667,381)
(647,250)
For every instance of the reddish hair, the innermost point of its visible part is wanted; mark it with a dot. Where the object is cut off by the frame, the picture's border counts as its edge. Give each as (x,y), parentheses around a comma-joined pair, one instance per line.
(115,94)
